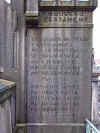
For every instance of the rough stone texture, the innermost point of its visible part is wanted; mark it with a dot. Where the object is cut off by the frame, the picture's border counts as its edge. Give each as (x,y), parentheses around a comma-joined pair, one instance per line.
(51,64)
(2,22)
(9,46)
(61,19)
(58,69)
(5,117)
(9,50)
(73,4)
(32,7)
(57,82)
(18,5)
(95,110)
(7,106)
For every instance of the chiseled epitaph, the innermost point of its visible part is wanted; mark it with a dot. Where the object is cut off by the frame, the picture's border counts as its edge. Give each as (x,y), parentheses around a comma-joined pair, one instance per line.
(58,55)
(57,76)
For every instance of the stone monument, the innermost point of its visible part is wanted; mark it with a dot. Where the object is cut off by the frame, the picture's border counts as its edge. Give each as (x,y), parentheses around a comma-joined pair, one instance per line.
(54,54)
(58,61)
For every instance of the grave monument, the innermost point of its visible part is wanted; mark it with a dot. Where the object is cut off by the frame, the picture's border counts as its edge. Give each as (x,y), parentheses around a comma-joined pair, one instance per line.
(53,39)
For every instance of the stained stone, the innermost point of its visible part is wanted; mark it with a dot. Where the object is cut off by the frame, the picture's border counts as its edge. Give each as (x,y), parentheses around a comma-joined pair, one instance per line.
(51,62)
(56,67)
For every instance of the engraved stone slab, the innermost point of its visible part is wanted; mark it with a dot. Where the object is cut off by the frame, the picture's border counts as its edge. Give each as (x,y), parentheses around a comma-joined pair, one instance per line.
(58,75)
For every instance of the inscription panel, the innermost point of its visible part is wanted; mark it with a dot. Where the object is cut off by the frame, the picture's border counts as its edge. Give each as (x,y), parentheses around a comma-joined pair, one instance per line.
(58,75)
(65,19)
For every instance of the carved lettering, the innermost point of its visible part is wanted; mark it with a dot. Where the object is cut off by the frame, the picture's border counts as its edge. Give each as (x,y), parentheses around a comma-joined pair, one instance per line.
(53,76)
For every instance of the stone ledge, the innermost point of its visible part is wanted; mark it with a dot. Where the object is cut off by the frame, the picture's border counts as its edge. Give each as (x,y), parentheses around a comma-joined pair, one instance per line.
(6,89)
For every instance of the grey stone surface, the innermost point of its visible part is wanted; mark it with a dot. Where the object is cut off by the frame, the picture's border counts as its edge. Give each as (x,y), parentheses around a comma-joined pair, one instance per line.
(18,5)
(59,75)
(51,64)
(5,117)
(7,106)
(65,19)
(58,69)
(32,7)
(9,48)
(2,35)
(72,3)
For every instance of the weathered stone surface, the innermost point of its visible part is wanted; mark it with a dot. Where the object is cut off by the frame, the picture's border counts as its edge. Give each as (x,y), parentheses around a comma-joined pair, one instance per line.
(57,3)
(7,106)
(2,35)
(5,118)
(59,75)
(51,64)
(32,7)
(18,6)
(58,69)
(69,5)
(90,4)
(65,19)
(8,47)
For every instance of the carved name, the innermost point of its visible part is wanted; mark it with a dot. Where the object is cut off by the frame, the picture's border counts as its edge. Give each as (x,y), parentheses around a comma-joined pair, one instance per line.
(64,18)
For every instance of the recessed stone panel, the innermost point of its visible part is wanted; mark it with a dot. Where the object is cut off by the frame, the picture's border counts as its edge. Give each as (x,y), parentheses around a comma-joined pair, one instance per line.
(58,75)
